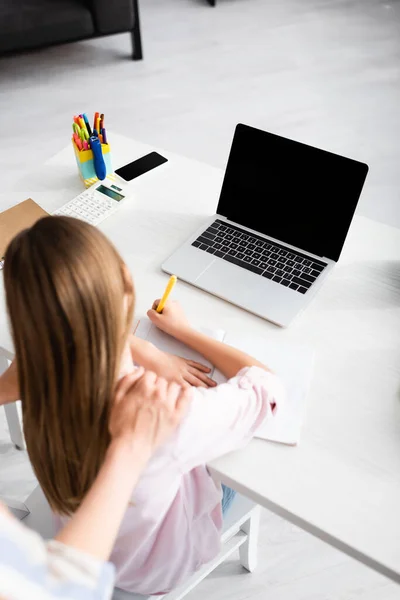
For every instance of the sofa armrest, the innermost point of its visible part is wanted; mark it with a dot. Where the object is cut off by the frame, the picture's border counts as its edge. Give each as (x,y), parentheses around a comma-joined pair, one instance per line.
(112,16)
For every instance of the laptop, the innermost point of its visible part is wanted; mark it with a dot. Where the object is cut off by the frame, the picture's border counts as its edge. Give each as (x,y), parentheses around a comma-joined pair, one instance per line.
(281,222)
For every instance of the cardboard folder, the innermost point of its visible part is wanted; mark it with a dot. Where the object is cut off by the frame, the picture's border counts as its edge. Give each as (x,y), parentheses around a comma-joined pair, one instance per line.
(17,218)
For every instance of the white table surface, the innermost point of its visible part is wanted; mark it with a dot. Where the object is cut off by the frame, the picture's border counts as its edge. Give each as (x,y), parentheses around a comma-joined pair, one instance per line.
(342,482)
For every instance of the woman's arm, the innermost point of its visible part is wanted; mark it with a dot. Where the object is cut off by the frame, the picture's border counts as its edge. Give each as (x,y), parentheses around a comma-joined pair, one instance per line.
(227,359)
(94,526)
(147,409)
(9,388)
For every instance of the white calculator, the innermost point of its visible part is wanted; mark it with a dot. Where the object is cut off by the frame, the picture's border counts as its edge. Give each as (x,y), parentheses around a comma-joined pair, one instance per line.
(94,204)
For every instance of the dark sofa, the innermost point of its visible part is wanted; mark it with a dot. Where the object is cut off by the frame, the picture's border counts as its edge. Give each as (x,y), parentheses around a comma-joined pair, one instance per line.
(26,24)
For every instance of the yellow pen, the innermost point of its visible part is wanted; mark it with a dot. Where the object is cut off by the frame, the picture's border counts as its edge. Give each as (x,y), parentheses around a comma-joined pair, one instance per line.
(168,289)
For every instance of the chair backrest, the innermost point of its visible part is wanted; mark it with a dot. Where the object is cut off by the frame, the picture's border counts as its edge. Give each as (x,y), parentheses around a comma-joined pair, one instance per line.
(40,518)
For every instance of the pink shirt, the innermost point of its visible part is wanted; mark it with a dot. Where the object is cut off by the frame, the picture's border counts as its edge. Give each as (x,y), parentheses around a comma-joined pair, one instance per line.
(174,523)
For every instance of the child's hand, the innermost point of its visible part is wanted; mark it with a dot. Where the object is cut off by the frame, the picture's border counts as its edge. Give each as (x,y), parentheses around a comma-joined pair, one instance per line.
(173,368)
(183,371)
(172,319)
(9,386)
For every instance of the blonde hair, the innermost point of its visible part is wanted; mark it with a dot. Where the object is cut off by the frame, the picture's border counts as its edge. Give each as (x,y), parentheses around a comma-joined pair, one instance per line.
(65,286)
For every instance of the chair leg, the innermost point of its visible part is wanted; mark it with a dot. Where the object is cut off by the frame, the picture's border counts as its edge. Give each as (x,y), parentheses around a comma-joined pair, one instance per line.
(14,426)
(11,410)
(137,53)
(249,550)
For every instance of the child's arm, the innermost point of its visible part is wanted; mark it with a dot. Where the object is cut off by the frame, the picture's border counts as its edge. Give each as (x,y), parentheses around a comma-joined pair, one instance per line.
(227,359)
(227,416)
(9,388)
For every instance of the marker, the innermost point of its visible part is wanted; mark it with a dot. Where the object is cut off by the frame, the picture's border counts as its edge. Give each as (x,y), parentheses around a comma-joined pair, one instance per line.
(96,116)
(103,133)
(82,122)
(78,141)
(87,124)
(168,290)
(98,160)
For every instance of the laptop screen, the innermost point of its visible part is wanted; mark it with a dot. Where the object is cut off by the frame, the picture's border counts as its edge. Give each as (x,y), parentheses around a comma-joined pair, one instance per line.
(292,192)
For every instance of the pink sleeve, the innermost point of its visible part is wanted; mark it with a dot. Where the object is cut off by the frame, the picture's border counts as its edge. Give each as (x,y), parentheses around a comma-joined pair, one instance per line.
(226,417)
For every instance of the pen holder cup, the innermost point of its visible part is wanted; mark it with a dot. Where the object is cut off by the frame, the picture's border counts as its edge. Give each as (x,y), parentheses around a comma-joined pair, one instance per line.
(84,160)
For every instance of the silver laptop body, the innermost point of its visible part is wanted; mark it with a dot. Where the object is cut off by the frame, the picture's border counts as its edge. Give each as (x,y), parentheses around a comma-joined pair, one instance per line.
(272,185)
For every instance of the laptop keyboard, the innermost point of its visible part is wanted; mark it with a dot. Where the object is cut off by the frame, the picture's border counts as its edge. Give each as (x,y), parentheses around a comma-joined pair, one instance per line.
(282,265)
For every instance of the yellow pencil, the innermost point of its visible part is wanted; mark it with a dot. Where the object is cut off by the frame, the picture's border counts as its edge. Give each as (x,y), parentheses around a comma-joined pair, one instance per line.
(168,289)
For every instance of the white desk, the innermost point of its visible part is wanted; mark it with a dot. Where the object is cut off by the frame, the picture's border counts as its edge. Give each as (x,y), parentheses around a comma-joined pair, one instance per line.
(342,483)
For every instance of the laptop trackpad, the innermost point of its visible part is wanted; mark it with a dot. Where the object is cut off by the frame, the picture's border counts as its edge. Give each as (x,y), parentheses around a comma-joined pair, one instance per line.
(238,285)
(188,263)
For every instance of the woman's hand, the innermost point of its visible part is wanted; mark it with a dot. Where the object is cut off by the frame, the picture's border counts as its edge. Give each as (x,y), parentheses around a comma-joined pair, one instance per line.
(147,409)
(172,319)
(174,368)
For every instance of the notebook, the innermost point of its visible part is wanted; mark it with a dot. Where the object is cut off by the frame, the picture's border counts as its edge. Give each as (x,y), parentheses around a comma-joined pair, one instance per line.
(292,362)
(15,219)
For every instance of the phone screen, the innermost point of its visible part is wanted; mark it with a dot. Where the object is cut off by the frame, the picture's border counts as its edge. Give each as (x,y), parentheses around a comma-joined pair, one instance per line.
(140,166)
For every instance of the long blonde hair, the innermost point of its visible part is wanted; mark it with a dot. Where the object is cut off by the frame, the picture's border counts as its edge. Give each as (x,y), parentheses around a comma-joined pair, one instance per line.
(65,287)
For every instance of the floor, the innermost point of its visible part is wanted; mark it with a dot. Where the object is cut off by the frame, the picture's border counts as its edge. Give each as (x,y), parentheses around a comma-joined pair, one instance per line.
(326,72)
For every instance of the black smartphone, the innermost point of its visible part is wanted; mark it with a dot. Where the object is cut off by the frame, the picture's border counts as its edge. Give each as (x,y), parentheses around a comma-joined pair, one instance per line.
(140,166)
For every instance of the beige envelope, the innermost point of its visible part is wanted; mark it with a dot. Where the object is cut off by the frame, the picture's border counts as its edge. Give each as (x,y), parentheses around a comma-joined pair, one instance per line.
(17,218)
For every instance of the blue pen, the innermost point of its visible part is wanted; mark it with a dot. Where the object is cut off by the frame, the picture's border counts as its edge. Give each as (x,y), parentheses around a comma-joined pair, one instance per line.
(98,160)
